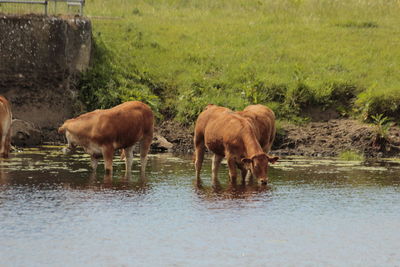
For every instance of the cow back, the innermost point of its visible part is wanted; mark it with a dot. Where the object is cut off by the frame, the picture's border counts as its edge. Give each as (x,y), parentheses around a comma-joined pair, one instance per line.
(121,126)
(210,113)
(231,132)
(263,119)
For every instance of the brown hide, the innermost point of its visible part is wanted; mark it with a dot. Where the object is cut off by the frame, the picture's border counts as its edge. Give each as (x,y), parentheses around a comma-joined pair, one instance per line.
(119,127)
(209,113)
(263,119)
(5,127)
(233,136)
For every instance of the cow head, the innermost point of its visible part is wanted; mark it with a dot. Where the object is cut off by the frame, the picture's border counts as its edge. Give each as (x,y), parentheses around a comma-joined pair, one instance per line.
(71,146)
(258,165)
(69,149)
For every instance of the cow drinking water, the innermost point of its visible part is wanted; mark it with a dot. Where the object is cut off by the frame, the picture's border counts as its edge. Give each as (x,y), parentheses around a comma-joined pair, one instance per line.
(263,119)
(230,135)
(101,132)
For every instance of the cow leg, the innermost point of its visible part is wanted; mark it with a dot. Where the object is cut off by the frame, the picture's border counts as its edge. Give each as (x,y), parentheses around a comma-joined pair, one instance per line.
(108,154)
(7,144)
(94,161)
(249,176)
(3,145)
(272,137)
(144,149)
(243,171)
(198,161)
(128,159)
(216,162)
(232,169)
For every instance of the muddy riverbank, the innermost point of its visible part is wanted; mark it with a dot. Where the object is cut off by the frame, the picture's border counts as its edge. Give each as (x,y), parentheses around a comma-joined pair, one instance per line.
(317,139)
(327,139)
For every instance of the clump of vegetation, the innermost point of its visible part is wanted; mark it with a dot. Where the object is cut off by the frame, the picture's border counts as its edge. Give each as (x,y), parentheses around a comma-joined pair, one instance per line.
(351,156)
(354,24)
(107,84)
(379,100)
(382,125)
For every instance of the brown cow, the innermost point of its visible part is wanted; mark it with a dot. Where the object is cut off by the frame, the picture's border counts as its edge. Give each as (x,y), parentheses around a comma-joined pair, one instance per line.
(232,136)
(209,113)
(101,132)
(263,119)
(5,127)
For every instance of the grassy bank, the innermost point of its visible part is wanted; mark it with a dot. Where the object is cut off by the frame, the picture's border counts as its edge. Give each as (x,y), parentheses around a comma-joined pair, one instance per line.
(179,55)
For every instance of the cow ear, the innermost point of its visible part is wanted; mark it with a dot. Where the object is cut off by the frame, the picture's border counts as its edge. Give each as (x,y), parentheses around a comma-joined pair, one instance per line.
(123,156)
(273,159)
(246,160)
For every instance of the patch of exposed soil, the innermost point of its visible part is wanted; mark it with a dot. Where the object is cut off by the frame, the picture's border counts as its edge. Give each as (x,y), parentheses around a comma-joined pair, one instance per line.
(313,139)
(335,136)
(179,135)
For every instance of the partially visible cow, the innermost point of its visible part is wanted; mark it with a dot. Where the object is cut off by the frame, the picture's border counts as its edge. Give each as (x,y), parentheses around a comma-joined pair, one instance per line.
(234,137)
(209,113)
(101,132)
(5,127)
(263,119)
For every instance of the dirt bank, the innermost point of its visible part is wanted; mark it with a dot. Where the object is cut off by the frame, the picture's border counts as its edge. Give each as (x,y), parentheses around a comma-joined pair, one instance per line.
(326,139)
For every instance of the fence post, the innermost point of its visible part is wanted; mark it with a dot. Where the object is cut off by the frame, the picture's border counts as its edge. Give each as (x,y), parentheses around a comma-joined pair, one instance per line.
(45,7)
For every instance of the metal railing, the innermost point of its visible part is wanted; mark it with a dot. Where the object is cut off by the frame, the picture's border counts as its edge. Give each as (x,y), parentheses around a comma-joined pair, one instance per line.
(49,5)
(71,3)
(27,3)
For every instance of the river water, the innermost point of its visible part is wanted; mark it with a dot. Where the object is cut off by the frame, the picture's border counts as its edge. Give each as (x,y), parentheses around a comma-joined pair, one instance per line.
(314,212)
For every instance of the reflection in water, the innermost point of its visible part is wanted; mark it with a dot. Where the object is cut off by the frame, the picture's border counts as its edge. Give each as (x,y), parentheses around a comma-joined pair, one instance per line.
(3,174)
(230,191)
(323,212)
(98,182)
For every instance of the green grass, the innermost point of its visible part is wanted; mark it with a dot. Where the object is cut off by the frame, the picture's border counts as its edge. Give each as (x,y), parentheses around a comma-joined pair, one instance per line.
(351,156)
(180,55)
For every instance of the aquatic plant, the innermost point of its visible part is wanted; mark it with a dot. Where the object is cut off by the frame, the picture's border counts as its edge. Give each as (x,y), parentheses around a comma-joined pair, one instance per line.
(350,155)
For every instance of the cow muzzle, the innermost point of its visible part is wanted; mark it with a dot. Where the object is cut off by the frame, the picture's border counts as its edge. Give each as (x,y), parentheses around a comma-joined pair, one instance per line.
(263,181)
(67,150)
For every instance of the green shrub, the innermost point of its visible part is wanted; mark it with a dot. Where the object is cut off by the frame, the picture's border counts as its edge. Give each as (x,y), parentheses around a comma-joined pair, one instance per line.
(193,101)
(107,84)
(382,125)
(379,101)
(263,92)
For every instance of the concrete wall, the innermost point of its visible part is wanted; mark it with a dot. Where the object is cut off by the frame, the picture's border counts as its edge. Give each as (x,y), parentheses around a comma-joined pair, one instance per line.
(40,60)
